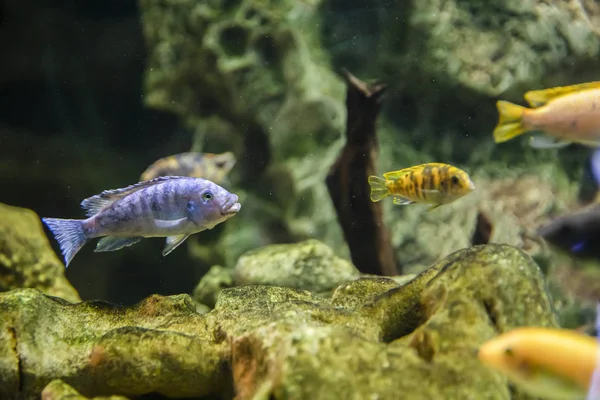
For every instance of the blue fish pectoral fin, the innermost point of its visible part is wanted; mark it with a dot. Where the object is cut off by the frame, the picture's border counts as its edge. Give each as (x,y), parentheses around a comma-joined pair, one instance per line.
(401,201)
(542,141)
(113,243)
(169,223)
(173,242)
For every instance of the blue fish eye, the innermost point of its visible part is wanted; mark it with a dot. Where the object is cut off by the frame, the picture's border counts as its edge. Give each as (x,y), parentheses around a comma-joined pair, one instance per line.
(207,196)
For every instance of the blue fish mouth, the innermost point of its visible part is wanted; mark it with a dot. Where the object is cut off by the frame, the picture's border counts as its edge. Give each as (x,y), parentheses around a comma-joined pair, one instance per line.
(231,206)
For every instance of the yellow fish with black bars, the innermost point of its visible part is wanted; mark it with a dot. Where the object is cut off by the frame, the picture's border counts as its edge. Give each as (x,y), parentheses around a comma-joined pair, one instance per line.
(431,183)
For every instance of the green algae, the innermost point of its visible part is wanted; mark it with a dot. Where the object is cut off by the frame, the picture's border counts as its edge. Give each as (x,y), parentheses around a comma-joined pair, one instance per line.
(374,337)
(26,258)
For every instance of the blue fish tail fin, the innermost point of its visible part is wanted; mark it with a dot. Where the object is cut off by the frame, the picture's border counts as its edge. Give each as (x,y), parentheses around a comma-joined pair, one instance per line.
(379,189)
(70,235)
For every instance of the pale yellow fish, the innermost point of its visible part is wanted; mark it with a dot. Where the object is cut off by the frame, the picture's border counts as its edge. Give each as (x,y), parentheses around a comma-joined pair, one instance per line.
(431,183)
(554,364)
(213,167)
(565,115)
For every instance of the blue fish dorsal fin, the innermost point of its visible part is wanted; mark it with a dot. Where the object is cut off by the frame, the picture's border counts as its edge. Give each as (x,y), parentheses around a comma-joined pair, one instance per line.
(93,205)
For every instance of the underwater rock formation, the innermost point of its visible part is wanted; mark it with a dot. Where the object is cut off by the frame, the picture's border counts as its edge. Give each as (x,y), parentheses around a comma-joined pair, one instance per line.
(259,67)
(309,265)
(59,390)
(26,258)
(488,47)
(277,342)
(160,345)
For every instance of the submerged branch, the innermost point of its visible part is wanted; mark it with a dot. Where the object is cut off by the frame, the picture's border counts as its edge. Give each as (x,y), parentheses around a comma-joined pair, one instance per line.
(361,219)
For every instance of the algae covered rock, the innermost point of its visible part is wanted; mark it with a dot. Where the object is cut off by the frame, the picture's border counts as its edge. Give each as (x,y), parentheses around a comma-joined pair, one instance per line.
(26,258)
(309,265)
(418,339)
(375,338)
(160,345)
(59,390)
(216,279)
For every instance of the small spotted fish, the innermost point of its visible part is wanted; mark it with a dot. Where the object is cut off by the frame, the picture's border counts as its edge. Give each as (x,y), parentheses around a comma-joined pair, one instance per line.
(213,167)
(565,115)
(431,183)
(174,207)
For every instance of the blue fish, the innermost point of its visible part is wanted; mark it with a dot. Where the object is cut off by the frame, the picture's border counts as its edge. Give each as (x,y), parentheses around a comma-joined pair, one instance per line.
(174,207)
(594,390)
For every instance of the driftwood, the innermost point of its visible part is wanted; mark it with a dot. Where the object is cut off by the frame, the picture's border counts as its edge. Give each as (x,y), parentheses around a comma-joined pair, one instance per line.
(367,237)
(483,230)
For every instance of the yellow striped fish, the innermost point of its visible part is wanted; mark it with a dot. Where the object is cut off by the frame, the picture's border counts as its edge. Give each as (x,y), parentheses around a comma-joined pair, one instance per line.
(431,183)
(213,167)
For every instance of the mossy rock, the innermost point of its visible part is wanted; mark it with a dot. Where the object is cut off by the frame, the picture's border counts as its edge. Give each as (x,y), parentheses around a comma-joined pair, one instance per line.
(26,258)
(374,338)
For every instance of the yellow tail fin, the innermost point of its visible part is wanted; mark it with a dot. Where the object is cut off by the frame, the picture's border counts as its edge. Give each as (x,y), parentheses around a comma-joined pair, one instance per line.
(510,121)
(379,190)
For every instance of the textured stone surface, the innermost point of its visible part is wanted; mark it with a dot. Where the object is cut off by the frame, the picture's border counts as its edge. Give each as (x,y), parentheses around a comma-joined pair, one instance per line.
(26,258)
(59,390)
(263,341)
(257,66)
(309,265)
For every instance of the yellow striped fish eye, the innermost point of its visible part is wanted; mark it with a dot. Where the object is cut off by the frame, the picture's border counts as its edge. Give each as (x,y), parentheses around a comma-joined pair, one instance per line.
(454,179)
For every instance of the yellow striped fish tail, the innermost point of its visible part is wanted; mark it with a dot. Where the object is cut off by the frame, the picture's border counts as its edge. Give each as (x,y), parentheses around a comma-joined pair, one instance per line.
(379,189)
(510,121)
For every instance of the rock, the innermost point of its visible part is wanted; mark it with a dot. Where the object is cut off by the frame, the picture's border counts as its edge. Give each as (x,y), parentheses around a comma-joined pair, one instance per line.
(160,345)
(309,265)
(263,341)
(212,284)
(26,258)
(59,390)
(490,47)
(260,67)
(425,331)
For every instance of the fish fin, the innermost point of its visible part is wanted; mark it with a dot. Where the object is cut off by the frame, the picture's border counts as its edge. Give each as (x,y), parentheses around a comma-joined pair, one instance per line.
(93,205)
(547,142)
(537,98)
(595,165)
(173,242)
(69,234)
(116,194)
(433,207)
(577,247)
(165,223)
(379,190)
(401,201)
(113,243)
(395,175)
(510,121)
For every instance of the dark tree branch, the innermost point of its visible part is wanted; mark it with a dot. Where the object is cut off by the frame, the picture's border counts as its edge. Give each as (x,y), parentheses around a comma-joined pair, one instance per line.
(361,219)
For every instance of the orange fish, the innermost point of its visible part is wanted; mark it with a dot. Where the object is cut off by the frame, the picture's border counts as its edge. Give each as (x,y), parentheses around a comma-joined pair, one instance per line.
(545,362)
(568,114)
